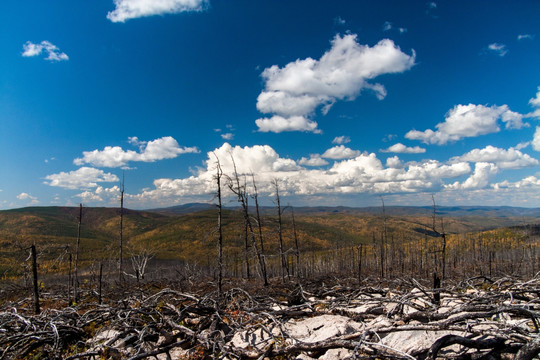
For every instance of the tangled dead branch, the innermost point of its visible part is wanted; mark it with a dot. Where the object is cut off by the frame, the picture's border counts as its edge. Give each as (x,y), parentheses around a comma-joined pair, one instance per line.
(476,319)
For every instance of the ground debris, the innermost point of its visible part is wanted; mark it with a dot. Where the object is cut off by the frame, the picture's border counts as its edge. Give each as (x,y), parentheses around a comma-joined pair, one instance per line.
(397,321)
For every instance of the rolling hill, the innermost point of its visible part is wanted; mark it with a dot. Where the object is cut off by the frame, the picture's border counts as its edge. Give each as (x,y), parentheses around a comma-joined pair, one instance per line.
(188,232)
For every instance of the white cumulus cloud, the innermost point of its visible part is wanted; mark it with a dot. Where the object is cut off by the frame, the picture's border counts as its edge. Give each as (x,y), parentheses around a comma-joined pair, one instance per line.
(504,159)
(88,196)
(279,124)
(469,121)
(402,149)
(131,9)
(394,162)
(528,182)
(483,172)
(100,194)
(341,140)
(340,152)
(536,139)
(26,196)
(313,160)
(114,156)
(83,178)
(364,173)
(53,53)
(294,92)
(535,101)
(259,159)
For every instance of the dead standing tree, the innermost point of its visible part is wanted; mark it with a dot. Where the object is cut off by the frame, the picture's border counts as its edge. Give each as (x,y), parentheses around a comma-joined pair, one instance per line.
(218,176)
(241,192)
(436,278)
(297,250)
(441,234)
(259,226)
(284,263)
(35,284)
(383,240)
(121,256)
(68,252)
(77,247)
(139,261)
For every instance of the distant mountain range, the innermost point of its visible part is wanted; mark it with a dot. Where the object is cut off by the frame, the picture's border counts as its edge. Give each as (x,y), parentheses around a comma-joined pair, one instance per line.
(183,209)
(454,211)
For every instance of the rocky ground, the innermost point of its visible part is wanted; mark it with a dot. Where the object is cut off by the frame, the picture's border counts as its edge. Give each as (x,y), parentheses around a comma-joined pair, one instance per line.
(478,318)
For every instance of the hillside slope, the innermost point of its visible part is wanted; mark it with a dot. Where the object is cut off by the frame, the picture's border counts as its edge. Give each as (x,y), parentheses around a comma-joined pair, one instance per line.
(191,235)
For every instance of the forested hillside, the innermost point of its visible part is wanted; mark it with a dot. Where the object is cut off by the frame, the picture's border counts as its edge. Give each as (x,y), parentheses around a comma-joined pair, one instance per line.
(188,234)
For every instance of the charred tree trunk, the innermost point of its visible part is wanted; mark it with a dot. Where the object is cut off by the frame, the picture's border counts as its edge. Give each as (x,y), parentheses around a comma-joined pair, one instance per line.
(259,225)
(297,249)
(76,283)
(100,298)
(37,309)
(246,250)
(284,266)
(360,263)
(436,289)
(219,174)
(383,240)
(69,276)
(441,234)
(121,256)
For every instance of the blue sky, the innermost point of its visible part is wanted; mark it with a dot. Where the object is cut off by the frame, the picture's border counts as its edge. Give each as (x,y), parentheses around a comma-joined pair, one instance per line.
(341,101)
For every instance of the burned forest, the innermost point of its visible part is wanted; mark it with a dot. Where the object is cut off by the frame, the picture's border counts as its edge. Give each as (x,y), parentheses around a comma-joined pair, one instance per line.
(236,280)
